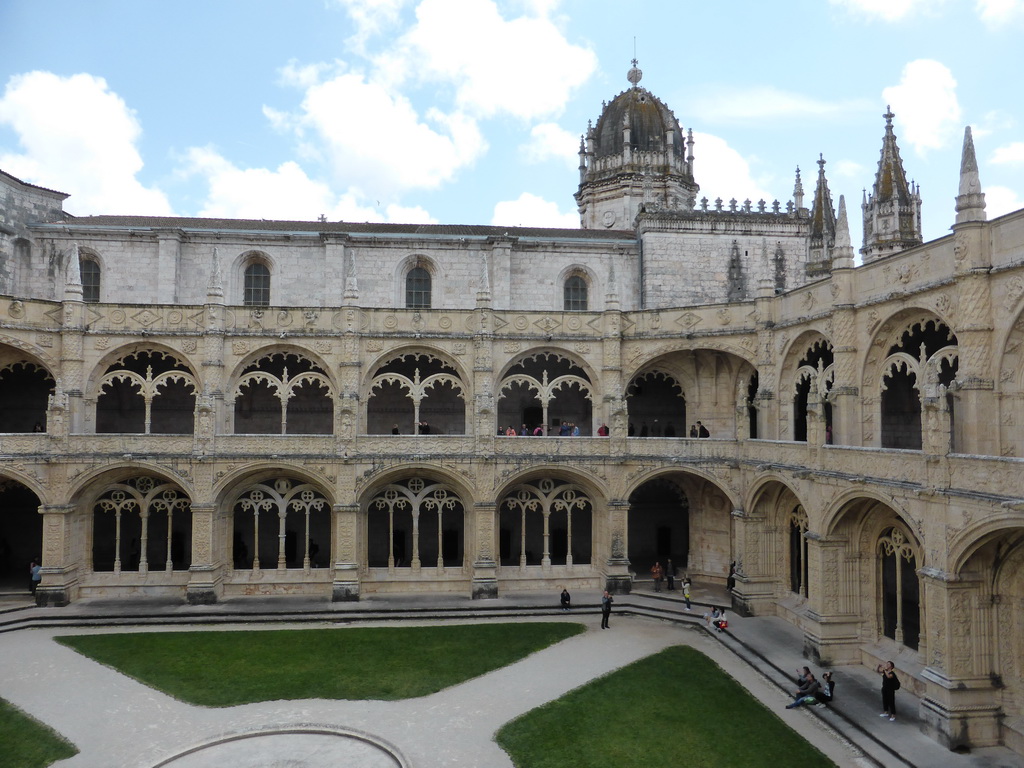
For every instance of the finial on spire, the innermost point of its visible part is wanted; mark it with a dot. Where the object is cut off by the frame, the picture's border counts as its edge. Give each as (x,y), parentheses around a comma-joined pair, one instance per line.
(970,202)
(635,74)
(888,116)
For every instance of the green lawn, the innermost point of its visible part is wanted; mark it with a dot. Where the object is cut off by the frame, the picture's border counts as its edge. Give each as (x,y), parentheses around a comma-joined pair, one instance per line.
(221,669)
(676,708)
(27,743)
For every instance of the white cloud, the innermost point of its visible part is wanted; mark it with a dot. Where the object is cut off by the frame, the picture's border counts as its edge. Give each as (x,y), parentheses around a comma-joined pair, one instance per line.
(533,211)
(471,46)
(886,10)
(550,141)
(1011,154)
(723,172)
(766,102)
(371,17)
(925,104)
(77,134)
(284,193)
(998,13)
(375,141)
(1000,200)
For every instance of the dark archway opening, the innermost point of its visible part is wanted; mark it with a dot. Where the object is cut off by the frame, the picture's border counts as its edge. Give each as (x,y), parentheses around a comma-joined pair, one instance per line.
(21,535)
(659,525)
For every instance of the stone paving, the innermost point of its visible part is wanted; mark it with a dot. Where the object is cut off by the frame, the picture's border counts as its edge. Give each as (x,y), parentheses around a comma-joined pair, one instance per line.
(115,721)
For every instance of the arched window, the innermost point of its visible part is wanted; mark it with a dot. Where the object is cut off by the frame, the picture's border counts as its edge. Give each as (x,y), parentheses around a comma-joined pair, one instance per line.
(575,294)
(90,280)
(257,285)
(901,608)
(417,289)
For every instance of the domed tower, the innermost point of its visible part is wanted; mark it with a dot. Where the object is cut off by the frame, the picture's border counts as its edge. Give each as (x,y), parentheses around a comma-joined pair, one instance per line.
(635,155)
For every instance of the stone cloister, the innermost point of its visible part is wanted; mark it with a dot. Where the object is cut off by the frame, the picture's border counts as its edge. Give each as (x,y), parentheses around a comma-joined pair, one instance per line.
(228,409)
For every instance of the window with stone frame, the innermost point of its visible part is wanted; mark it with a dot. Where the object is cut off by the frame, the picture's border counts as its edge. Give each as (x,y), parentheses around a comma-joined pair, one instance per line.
(575,293)
(90,271)
(900,590)
(256,287)
(417,288)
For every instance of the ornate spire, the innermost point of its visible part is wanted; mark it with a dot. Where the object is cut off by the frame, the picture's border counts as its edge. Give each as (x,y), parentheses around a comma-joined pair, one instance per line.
(611,298)
(970,202)
(73,276)
(842,254)
(823,225)
(215,288)
(798,191)
(483,294)
(351,283)
(892,212)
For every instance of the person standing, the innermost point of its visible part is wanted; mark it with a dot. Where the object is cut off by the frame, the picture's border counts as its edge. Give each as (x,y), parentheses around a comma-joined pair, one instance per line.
(890,684)
(35,574)
(565,599)
(606,608)
(702,431)
(656,574)
(670,575)
(686,591)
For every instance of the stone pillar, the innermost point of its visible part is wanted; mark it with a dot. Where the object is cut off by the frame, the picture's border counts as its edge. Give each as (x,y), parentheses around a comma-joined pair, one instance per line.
(833,636)
(975,399)
(755,588)
(485,566)
(346,557)
(616,572)
(59,568)
(958,707)
(205,571)
(168,258)
(845,394)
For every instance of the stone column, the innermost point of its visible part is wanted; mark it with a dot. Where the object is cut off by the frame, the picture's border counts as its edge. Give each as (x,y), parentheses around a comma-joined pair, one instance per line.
(345,552)
(205,572)
(485,566)
(958,706)
(755,588)
(59,567)
(616,572)
(833,636)
(168,256)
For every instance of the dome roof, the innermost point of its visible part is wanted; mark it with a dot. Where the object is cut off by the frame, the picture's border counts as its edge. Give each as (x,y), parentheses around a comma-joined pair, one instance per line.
(648,117)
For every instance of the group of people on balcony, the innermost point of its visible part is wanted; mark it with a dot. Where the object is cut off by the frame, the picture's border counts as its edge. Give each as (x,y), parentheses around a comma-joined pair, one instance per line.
(655,430)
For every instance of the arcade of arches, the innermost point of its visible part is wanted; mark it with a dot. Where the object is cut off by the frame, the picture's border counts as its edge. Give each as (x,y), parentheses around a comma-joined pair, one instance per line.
(863,480)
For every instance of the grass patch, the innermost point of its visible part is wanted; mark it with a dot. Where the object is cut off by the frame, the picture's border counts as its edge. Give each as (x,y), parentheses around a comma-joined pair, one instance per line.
(674,708)
(223,669)
(27,743)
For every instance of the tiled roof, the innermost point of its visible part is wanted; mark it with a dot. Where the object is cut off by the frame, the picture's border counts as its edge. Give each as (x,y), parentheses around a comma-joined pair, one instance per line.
(33,186)
(344,227)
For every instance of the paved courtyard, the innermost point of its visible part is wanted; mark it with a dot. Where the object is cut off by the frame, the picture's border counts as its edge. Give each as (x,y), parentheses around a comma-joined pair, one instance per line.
(116,721)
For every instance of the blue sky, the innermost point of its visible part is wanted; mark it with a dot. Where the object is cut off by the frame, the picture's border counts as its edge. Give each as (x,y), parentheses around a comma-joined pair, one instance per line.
(470,111)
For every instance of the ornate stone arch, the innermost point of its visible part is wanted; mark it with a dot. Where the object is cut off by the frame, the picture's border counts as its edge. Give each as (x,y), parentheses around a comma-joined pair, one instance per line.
(531,383)
(530,508)
(280,520)
(909,349)
(416,390)
(140,521)
(144,388)
(276,377)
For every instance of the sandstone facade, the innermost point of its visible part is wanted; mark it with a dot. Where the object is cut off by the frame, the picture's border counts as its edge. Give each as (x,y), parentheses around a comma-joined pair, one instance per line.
(862,473)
